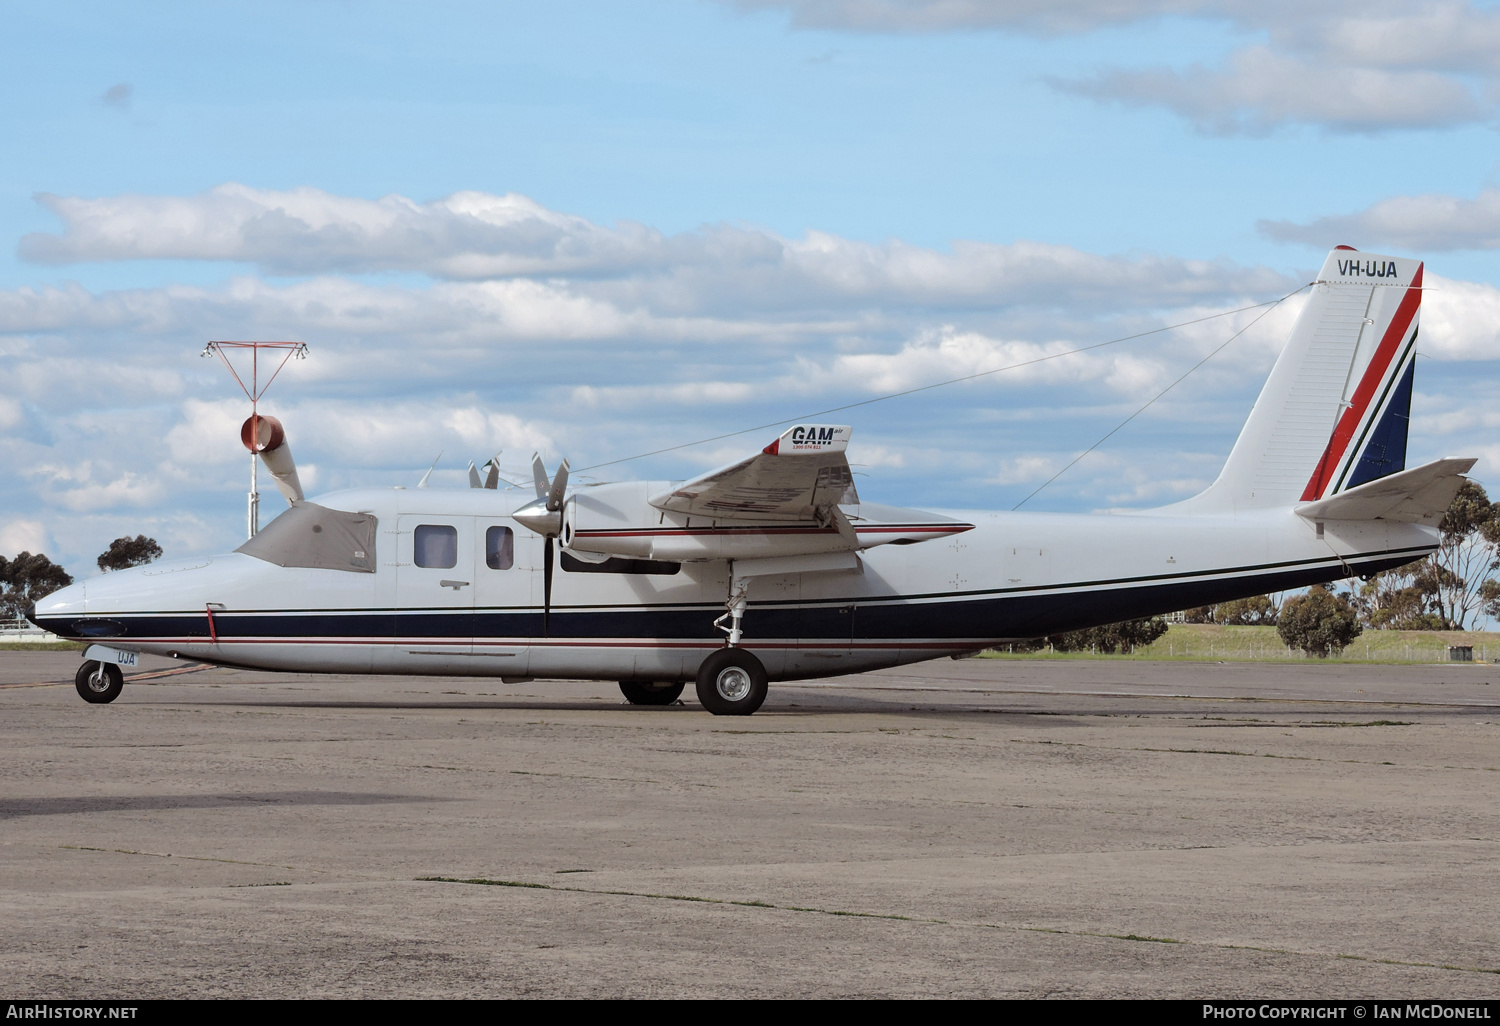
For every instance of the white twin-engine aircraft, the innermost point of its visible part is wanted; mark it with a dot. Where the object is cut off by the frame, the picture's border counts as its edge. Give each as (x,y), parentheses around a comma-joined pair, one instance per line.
(773,568)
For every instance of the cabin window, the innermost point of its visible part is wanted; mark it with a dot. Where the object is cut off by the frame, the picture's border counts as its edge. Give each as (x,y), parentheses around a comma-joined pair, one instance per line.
(619,565)
(313,536)
(499,548)
(435,546)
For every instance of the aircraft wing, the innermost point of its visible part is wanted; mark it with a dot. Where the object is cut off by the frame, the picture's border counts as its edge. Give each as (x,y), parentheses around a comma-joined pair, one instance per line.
(1417,496)
(799,477)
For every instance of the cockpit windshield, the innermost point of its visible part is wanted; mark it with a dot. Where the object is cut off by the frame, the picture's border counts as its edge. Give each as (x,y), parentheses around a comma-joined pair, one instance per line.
(315,536)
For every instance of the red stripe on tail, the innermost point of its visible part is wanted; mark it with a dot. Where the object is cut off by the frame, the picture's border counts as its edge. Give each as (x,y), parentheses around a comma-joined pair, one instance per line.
(1369,384)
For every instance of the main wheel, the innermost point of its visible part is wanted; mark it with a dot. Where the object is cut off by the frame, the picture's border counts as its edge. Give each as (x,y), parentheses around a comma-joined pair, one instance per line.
(731,682)
(652,692)
(99,682)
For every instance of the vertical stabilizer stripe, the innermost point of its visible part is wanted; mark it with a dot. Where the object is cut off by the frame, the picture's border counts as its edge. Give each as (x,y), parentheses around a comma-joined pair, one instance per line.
(1369,384)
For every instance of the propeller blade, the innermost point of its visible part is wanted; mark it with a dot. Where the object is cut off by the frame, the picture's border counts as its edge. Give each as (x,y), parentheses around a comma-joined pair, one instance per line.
(539,472)
(492,478)
(474,481)
(547,587)
(559,488)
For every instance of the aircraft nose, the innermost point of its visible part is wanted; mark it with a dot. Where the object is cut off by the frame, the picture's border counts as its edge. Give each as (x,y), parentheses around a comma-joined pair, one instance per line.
(69,601)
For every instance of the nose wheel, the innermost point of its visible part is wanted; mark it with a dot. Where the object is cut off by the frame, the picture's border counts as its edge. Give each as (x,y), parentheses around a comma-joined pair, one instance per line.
(99,683)
(731,682)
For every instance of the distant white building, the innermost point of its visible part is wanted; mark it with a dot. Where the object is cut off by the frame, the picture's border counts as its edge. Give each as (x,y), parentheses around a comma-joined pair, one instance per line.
(17,631)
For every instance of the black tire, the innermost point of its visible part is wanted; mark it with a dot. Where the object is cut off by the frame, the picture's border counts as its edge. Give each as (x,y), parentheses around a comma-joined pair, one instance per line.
(106,687)
(652,692)
(731,682)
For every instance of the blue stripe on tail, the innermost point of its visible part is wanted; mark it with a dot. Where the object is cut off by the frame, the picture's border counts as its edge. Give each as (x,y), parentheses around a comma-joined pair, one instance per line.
(1385,453)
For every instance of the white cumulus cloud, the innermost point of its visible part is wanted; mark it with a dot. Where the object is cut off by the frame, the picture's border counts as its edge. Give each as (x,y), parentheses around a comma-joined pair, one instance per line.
(1344,65)
(1423,223)
(111,422)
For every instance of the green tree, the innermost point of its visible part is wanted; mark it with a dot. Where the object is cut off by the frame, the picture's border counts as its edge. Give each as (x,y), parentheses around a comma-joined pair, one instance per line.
(1124,636)
(1467,555)
(1490,593)
(26,579)
(1403,599)
(1255,611)
(127,552)
(1319,623)
(1199,614)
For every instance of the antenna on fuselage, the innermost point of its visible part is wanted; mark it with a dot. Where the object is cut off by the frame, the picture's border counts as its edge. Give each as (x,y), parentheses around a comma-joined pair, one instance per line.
(423,483)
(254,392)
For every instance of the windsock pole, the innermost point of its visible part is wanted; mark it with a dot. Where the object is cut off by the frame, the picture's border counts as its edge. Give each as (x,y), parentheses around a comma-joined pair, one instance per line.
(253,392)
(254,525)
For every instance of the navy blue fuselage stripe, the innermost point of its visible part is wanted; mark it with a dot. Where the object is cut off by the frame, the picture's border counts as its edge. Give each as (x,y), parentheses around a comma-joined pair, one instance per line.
(1010,615)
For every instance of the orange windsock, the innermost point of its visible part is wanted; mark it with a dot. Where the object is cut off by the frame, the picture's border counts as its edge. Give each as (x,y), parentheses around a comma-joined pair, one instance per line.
(266,437)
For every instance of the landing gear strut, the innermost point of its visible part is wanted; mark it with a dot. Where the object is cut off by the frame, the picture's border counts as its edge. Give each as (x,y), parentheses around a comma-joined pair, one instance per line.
(739,597)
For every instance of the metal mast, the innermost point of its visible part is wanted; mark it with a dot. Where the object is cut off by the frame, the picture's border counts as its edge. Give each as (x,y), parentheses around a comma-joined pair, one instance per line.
(253,392)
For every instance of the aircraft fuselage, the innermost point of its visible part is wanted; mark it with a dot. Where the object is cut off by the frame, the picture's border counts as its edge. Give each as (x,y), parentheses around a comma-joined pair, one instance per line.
(1013,576)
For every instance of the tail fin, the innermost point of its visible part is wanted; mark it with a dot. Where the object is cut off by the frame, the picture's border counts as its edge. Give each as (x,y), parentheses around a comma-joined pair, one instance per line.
(1334,412)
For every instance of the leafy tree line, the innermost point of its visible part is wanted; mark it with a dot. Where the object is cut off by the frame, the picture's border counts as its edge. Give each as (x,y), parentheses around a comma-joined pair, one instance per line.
(30,577)
(1255,611)
(26,579)
(1109,639)
(1448,590)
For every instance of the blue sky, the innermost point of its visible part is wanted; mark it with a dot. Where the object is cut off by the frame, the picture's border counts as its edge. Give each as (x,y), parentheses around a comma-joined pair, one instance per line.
(597,227)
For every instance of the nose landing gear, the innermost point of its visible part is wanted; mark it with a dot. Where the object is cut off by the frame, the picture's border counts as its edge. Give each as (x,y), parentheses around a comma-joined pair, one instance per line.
(99,683)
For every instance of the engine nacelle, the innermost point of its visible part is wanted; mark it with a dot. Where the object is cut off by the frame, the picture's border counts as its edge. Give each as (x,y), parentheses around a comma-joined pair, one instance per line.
(618,520)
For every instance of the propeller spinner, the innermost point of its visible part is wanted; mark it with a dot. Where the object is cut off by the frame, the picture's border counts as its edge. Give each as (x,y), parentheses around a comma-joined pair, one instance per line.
(544,516)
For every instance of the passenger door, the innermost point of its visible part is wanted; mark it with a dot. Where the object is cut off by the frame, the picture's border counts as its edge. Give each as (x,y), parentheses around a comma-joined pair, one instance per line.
(503,596)
(435,576)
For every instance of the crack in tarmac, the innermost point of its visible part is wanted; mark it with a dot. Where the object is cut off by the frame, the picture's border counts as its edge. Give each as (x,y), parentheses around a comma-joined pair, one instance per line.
(193,858)
(1132,937)
(1245,755)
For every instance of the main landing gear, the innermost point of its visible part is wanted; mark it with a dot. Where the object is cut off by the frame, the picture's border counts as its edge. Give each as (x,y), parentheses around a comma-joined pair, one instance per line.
(731,682)
(652,692)
(99,682)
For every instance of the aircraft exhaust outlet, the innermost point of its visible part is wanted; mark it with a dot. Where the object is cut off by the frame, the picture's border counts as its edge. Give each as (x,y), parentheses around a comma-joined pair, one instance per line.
(265,437)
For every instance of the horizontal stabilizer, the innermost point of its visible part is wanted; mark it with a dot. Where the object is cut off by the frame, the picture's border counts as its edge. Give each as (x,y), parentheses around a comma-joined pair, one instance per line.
(1417,496)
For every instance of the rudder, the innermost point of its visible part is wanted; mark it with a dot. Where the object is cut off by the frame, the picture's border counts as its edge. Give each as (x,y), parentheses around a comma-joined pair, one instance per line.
(1333,414)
